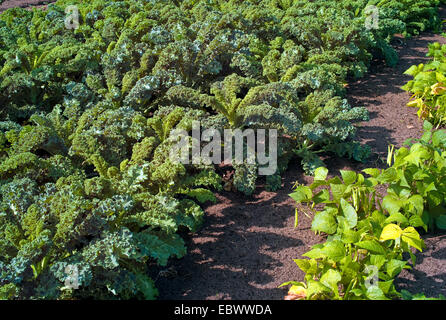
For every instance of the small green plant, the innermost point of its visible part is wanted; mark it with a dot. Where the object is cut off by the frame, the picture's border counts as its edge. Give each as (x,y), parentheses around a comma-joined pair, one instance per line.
(420,175)
(367,232)
(429,86)
(364,241)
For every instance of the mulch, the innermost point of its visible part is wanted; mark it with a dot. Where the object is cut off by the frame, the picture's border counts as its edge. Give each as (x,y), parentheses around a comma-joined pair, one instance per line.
(246,247)
(24,4)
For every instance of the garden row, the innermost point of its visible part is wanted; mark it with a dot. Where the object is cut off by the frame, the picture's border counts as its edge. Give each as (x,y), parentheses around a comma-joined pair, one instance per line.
(87,186)
(368,232)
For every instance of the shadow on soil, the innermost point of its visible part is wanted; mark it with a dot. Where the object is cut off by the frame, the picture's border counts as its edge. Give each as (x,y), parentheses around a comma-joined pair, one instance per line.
(244,240)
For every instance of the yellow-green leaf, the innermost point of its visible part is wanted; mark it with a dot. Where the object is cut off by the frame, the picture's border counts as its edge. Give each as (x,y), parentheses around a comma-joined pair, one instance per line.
(390,232)
(412,238)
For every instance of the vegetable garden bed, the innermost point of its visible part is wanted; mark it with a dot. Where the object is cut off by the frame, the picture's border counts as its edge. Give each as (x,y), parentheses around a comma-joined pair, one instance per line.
(86,181)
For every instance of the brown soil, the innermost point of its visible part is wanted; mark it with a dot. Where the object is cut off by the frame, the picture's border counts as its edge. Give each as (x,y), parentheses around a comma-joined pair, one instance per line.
(24,4)
(246,246)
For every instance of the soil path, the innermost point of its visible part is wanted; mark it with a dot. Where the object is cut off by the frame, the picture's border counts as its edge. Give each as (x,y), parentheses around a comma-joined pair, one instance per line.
(246,246)
(24,4)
